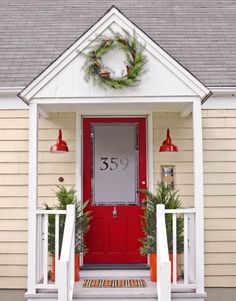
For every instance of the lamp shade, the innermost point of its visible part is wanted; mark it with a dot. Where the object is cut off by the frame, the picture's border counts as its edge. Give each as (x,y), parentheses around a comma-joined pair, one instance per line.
(167,145)
(60,146)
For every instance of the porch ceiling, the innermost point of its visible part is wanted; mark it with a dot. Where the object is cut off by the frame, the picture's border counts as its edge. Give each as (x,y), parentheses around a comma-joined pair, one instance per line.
(116,107)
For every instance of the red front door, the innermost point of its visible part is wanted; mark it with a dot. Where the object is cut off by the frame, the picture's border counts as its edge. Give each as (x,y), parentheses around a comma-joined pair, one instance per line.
(114,169)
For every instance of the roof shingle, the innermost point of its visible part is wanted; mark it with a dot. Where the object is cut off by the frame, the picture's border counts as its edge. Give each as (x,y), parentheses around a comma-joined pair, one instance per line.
(201,34)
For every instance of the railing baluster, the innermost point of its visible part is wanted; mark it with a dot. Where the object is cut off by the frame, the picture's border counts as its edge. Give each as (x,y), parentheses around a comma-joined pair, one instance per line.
(45,251)
(56,244)
(186,268)
(174,239)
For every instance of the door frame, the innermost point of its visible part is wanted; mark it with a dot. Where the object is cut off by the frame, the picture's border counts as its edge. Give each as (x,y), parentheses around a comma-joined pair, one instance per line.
(79,145)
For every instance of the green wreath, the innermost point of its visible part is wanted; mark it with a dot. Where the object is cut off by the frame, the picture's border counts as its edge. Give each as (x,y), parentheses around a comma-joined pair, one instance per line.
(102,75)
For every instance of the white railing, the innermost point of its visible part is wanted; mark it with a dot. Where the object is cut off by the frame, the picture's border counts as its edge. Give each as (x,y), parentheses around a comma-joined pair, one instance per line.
(163,265)
(65,271)
(42,252)
(184,262)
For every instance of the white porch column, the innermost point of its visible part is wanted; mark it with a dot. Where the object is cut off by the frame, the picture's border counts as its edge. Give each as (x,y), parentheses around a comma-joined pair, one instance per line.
(198,194)
(32,198)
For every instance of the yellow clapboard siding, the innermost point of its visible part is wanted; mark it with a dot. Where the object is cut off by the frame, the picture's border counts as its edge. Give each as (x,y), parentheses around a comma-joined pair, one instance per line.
(51,157)
(220,246)
(221,113)
(219,269)
(13,248)
(69,179)
(9,179)
(219,156)
(13,213)
(14,135)
(175,133)
(227,212)
(14,123)
(223,189)
(16,224)
(186,156)
(55,168)
(222,235)
(11,202)
(13,236)
(55,123)
(13,259)
(14,157)
(180,167)
(219,133)
(220,201)
(14,114)
(13,168)
(220,178)
(219,167)
(13,282)
(220,281)
(14,146)
(13,271)
(220,258)
(220,223)
(219,144)
(13,190)
(172,122)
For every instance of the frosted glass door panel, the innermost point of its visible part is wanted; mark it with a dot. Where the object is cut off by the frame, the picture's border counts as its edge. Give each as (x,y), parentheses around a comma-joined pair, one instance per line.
(114,164)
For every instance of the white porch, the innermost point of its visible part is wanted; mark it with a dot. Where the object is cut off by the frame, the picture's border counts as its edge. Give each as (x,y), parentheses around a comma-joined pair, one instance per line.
(190,285)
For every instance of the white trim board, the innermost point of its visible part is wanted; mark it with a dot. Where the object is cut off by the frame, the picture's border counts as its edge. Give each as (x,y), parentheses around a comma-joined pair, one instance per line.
(112,16)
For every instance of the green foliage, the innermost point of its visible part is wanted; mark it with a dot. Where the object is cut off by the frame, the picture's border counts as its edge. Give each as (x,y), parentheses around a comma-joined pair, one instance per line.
(170,198)
(82,217)
(135,61)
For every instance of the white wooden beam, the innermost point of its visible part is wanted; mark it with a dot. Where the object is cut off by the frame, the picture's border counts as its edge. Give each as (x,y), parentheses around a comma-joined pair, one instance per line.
(198,195)
(43,113)
(114,100)
(186,111)
(33,191)
(150,152)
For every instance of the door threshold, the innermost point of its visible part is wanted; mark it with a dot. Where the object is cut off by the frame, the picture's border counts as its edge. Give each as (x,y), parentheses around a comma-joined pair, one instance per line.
(115,266)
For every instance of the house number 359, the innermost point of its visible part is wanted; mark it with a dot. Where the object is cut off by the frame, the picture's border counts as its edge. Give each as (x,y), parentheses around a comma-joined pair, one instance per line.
(112,163)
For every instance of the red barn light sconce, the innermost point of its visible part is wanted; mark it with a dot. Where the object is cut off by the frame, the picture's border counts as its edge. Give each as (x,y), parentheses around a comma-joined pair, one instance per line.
(60,146)
(167,145)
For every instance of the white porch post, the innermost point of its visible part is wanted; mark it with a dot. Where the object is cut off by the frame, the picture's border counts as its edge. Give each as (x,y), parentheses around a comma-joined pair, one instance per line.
(32,198)
(198,194)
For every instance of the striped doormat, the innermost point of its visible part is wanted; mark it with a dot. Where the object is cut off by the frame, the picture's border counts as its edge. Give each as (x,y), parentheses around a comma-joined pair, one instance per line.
(114,283)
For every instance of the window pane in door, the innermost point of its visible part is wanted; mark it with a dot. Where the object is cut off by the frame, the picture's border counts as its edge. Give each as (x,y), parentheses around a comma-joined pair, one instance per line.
(114,163)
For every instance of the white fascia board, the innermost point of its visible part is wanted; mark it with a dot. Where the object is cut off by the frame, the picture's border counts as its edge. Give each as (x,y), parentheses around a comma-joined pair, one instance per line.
(223,90)
(113,15)
(10,90)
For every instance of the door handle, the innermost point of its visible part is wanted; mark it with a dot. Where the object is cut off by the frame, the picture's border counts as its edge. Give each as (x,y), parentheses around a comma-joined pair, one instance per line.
(114,213)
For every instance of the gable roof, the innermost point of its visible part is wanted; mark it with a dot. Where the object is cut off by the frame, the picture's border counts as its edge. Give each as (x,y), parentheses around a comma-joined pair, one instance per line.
(200,35)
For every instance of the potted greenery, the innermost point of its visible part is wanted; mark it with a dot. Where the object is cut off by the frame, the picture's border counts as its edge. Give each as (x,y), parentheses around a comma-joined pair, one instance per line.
(66,197)
(170,198)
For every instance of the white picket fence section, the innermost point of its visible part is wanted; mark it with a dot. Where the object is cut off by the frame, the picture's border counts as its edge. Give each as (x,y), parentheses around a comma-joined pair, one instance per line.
(187,260)
(65,271)
(64,262)
(163,262)
(42,254)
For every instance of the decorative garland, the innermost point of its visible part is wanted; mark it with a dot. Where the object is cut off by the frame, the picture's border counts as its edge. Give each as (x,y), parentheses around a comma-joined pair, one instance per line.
(102,75)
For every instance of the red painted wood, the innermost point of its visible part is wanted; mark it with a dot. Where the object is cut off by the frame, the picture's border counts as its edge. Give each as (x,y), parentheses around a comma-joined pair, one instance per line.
(114,240)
